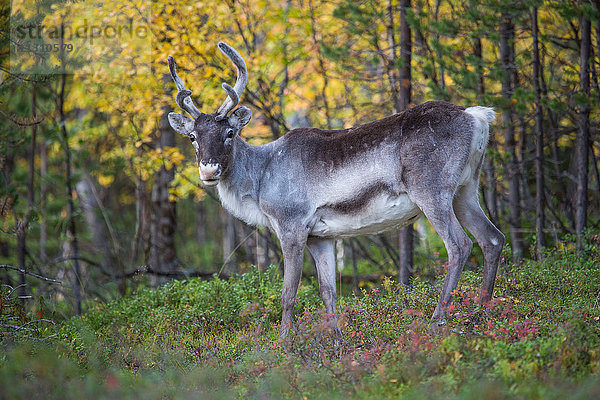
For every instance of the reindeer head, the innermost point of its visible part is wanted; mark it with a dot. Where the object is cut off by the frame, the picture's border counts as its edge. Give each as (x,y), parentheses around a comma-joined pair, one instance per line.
(212,134)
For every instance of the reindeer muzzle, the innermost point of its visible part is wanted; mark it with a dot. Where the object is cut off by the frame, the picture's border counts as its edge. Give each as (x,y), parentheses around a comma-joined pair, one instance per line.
(209,173)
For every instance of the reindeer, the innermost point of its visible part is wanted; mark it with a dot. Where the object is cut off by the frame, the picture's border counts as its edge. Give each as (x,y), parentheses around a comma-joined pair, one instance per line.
(313,186)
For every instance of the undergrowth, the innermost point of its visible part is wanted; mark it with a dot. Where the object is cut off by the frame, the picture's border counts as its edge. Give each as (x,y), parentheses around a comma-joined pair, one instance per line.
(538,338)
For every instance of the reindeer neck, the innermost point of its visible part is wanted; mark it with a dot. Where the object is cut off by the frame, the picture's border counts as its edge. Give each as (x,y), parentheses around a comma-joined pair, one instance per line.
(239,188)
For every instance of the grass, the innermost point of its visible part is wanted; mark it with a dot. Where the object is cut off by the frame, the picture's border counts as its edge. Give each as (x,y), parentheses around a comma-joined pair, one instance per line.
(538,338)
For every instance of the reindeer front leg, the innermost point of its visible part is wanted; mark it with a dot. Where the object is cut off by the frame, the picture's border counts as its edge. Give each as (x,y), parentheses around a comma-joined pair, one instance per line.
(292,246)
(293,254)
(293,241)
(291,228)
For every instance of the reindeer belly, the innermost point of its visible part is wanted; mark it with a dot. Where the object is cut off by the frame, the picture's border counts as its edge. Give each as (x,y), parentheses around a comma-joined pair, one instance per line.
(380,213)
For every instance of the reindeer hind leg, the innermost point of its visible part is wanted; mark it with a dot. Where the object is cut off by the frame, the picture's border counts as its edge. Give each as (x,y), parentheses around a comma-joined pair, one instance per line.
(323,252)
(489,238)
(438,210)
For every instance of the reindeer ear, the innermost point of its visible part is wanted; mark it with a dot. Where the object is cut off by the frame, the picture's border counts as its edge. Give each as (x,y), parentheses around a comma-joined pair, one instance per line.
(182,124)
(240,118)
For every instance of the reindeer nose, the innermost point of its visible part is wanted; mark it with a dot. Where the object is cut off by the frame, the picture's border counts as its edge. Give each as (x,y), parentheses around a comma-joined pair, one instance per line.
(209,171)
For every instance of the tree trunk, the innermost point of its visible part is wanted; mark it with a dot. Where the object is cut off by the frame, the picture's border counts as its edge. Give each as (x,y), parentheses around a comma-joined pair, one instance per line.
(478,51)
(540,200)
(246,237)
(90,207)
(142,221)
(553,137)
(490,196)
(514,211)
(406,233)
(355,287)
(526,198)
(7,165)
(21,232)
(583,135)
(43,199)
(322,70)
(23,225)
(391,58)
(438,51)
(228,243)
(4,252)
(406,55)
(201,221)
(71,227)
(163,255)
(262,249)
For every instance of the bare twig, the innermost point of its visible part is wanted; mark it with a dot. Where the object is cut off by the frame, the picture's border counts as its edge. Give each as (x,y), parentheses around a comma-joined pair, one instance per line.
(23,271)
(21,122)
(147,269)
(70,258)
(24,326)
(234,250)
(18,328)
(12,289)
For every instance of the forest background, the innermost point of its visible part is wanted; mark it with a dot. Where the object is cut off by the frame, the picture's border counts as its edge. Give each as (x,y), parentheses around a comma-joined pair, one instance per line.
(97,191)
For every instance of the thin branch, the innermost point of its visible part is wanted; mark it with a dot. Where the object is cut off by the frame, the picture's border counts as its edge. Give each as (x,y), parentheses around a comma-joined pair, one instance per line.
(234,250)
(24,326)
(22,122)
(23,271)
(22,77)
(12,289)
(71,258)
(147,269)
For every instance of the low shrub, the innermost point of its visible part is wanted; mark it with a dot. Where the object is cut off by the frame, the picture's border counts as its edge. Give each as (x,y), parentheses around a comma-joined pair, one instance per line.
(538,338)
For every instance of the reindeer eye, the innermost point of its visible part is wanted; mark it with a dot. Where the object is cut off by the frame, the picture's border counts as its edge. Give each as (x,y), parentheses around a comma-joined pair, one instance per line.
(229,133)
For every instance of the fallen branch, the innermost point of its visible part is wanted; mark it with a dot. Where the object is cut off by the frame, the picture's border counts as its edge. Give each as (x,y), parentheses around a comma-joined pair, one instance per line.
(146,269)
(24,326)
(18,328)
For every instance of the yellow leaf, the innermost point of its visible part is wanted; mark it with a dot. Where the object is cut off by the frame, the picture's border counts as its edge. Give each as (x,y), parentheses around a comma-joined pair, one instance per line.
(105,180)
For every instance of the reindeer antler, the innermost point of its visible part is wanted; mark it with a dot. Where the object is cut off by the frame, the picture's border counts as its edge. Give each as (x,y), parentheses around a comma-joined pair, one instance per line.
(183,98)
(233,93)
